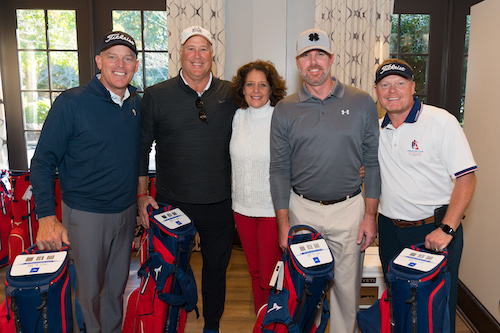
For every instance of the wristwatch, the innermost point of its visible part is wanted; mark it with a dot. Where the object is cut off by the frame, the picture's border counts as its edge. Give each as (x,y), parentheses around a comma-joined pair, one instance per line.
(447,229)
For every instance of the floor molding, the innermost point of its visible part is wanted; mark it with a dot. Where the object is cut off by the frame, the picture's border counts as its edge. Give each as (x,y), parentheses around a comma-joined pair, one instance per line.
(474,312)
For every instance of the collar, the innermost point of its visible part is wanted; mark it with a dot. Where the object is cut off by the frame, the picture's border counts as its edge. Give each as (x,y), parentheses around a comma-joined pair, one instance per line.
(412,117)
(206,87)
(337,91)
(263,112)
(114,97)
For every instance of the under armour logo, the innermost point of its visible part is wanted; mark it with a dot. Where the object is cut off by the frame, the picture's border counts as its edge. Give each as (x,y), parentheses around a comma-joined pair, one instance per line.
(157,271)
(345,112)
(275,307)
(313,37)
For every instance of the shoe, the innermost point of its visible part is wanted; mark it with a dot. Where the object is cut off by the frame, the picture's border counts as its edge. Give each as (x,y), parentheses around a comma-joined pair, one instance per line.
(210,331)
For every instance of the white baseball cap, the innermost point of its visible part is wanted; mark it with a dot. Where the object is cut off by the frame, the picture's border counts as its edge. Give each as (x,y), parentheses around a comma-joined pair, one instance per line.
(195,31)
(313,39)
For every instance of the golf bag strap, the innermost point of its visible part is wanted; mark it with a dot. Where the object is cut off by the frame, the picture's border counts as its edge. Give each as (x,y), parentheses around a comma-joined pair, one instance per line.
(187,298)
(78,309)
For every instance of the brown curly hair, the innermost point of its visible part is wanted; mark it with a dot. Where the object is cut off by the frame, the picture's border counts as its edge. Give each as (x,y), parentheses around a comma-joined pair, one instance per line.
(277,83)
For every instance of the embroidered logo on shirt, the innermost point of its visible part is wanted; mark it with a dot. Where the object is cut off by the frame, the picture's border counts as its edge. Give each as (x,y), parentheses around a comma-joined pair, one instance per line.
(415,149)
(344,112)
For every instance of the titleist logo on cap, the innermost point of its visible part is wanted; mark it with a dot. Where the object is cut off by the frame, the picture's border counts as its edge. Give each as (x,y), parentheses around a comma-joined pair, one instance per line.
(392,67)
(118,36)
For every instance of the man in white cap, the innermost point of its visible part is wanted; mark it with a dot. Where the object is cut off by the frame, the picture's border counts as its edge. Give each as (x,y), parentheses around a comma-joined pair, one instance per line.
(427,170)
(189,117)
(320,137)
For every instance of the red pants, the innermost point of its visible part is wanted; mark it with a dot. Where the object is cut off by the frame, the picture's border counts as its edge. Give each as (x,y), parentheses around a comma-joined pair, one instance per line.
(259,237)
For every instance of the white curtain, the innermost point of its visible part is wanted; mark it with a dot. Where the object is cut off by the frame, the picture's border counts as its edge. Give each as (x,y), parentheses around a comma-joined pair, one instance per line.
(210,14)
(360,32)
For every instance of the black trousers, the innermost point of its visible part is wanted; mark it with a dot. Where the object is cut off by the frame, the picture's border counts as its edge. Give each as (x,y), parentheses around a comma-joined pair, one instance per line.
(215,225)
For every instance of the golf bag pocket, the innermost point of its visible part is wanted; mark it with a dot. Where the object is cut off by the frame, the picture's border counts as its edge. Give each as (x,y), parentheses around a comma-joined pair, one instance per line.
(417,294)
(299,285)
(38,292)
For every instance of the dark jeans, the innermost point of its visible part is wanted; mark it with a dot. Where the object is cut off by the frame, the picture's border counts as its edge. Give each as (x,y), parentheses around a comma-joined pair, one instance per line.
(215,225)
(393,239)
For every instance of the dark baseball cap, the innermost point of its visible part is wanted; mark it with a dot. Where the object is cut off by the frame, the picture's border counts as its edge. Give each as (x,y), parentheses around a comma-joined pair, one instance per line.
(117,38)
(394,68)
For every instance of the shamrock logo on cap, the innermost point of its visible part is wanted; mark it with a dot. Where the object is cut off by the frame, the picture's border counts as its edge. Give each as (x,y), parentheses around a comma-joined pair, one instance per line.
(313,37)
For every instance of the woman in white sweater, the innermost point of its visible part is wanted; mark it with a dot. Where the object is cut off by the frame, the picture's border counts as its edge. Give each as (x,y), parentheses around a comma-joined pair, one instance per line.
(256,89)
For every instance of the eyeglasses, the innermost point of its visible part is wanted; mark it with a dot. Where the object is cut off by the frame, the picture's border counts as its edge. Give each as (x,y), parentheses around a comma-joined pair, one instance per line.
(202,114)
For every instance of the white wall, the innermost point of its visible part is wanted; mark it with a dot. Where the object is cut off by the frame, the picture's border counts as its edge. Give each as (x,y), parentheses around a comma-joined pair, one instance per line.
(480,269)
(267,30)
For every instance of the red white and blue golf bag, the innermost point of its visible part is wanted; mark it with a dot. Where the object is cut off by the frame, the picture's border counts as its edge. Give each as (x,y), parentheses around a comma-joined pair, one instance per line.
(300,305)
(24,222)
(5,216)
(38,292)
(416,298)
(168,287)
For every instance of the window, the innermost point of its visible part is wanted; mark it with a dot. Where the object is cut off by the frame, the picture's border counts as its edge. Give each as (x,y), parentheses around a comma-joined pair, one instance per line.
(439,31)
(48,58)
(410,42)
(149,29)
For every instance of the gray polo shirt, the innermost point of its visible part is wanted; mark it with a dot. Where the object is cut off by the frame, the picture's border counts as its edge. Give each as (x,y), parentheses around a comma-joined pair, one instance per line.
(318,146)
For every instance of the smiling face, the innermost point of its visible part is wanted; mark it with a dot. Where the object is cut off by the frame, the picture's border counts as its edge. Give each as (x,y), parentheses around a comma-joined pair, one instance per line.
(314,67)
(256,89)
(118,65)
(395,94)
(196,59)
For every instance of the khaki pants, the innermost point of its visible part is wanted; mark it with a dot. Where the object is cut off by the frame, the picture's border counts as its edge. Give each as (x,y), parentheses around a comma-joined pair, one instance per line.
(339,225)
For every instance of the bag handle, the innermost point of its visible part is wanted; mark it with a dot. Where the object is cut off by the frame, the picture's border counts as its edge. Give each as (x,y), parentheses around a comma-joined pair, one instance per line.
(314,234)
(421,248)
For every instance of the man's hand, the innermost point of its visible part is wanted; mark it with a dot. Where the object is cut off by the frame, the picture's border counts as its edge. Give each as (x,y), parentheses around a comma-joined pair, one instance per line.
(51,234)
(367,232)
(142,204)
(437,240)
(368,227)
(361,172)
(143,200)
(283,227)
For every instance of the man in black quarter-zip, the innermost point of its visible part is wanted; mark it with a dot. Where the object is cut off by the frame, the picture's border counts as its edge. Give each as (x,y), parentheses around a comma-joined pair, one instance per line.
(189,117)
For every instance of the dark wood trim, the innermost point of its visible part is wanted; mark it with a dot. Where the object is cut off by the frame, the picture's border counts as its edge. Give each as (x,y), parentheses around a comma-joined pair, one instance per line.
(16,144)
(474,312)
(446,48)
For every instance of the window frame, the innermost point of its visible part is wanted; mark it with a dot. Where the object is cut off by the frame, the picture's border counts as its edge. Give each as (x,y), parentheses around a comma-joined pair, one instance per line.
(17,153)
(446,48)
(93,20)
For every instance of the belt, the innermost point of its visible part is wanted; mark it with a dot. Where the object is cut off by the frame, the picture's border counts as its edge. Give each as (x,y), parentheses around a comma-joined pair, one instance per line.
(408,224)
(329,202)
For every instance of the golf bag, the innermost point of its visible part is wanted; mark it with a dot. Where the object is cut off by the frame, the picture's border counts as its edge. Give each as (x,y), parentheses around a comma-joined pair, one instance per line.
(38,292)
(168,288)
(300,283)
(5,217)
(416,298)
(24,223)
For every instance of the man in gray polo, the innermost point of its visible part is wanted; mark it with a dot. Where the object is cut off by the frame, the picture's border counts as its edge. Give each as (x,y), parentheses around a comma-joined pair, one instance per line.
(320,137)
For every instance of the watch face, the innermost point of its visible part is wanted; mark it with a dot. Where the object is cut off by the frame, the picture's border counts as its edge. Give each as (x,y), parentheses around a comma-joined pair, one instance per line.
(446,228)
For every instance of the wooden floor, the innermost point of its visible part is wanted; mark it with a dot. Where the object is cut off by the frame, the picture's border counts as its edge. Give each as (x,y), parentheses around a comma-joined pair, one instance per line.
(239,315)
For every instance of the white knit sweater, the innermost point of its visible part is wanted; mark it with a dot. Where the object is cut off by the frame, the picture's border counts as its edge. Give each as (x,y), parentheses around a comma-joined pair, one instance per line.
(250,156)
